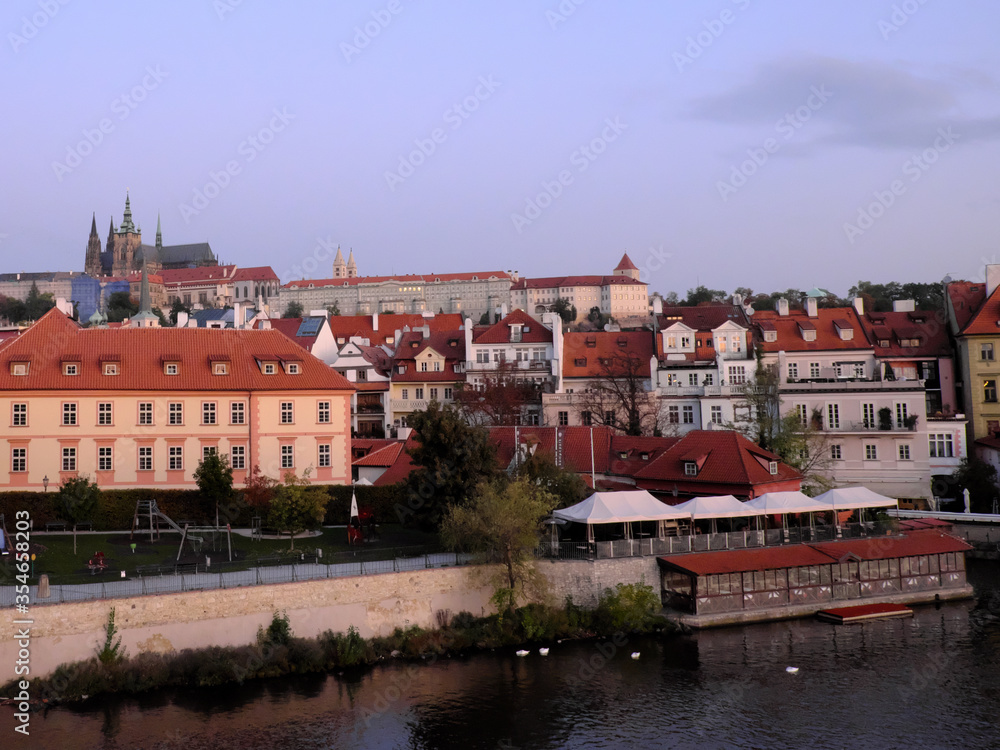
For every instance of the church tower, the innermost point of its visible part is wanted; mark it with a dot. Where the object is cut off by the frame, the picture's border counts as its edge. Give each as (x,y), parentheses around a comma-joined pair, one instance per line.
(352,267)
(626,267)
(125,244)
(339,267)
(92,263)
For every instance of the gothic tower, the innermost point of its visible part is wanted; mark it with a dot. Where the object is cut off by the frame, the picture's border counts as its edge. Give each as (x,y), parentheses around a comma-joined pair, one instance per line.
(125,244)
(339,267)
(352,267)
(92,263)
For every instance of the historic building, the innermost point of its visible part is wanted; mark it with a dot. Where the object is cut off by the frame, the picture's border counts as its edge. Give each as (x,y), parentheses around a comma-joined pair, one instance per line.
(140,406)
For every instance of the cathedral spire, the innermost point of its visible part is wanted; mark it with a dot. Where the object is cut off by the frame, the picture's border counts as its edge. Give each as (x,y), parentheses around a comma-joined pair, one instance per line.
(127,225)
(145,318)
(92,260)
(159,234)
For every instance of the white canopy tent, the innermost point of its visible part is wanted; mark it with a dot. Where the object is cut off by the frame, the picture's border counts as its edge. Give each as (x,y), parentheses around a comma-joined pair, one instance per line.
(785,503)
(720,506)
(853,498)
(619,507)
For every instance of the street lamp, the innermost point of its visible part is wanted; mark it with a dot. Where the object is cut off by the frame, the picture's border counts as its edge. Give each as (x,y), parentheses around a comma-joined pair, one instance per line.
(45,482)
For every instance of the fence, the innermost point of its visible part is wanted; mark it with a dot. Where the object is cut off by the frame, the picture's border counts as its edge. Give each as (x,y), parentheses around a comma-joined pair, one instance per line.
(673,545)
(179,578)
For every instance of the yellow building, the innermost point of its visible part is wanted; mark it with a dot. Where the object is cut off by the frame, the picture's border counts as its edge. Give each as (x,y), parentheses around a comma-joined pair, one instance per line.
(141,407)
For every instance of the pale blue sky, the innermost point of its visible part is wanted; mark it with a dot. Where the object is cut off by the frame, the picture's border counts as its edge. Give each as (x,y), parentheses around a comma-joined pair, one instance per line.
(691,86)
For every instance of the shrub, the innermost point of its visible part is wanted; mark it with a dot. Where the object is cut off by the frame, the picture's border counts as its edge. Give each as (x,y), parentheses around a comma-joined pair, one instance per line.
(278,632)
(631,607)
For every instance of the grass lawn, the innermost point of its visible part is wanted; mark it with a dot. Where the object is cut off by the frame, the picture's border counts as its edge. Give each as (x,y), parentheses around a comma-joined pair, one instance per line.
(54,553)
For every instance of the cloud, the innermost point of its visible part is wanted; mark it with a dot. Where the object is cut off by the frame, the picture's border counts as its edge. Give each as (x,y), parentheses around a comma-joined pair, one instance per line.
(873,104)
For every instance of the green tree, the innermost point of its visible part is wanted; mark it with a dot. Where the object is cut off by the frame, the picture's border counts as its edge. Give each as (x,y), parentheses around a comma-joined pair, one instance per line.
(564,309)
(177,307)
(703,295)
(294,310)
(502,525)
(565,485)
(596,317)
(112,652)
(214,477)
(450,458)
(36,305)
(76,502)
(484,319)
(980,479)
(121,306)
(259,489)
(297,506)
(11,309)
(331,310)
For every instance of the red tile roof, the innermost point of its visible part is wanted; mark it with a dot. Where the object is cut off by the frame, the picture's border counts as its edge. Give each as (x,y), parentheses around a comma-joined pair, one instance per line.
(896,326)
(626,264)
(704,318)
(384,456)
(966,298)
(255,273)
(986,319)
(346,326)
(583,352)
(727,460)
(742,561)
(140,351)
(789,329)
(289,327)
(558,282)
(430,278)
(573,451)
(499,333)
(202,274)
(401,468)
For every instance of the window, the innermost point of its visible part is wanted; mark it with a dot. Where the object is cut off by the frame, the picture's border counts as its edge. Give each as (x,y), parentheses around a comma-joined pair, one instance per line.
(293,368)
(104,458)
(836,453)
(710,379)
(220,368)
(208,412)
(737,342)
(673,414)
(176,410)
(110,368)
(287,413)
(176,457)
(145,458)
(269,369)
(238,456)
(871,452)
(437,365)
(986,352)
(104,413)
(287,457)
(901,415)
(482,356)
(990,391)
(802,412)
(71,369)
(423,367)
(19,368)
(170,369)
(18,459)
(692,378)
(868,414)
(208,450)
(434,394)
(418,394)
(586,418)
(324,456)
(859,370)
(793,370)
(563,418)
(833,416)
(904,451)
(237,412)
(146,412)
(690,469)
(323,412)
(69,413)
(772,466)
(20,415)
(716,417)
(69,459)
(941,445)
(362,376)
(814,369)
(687,413)
(737,375)
(448,394)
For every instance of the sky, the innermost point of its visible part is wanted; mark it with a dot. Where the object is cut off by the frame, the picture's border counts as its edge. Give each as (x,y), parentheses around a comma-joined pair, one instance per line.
(731,143)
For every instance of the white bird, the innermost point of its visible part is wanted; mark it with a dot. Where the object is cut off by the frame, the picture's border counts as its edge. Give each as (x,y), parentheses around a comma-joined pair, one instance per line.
(791,670)
(543,651)
(635,654)
(521,652)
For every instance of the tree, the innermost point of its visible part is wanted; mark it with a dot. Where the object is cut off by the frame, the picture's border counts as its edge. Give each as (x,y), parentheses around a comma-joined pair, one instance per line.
(566,486)
(12,309)
(596,317)
(501,398)
(259,489)
(294,310)
(331,310)
(565,310)
(177,307)
(451,457)
(484,319)
(297,506)
(502,525)
(702,295)
(77,501)
(980,479)
(36,305)
(120,306)
(214,477)
(618,396)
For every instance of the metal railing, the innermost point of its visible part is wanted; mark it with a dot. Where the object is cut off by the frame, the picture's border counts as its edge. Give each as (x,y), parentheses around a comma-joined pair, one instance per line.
(673,545)
(168,579)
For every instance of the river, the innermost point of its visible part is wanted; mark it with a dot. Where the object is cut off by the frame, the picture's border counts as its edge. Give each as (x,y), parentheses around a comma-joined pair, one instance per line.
(931,681)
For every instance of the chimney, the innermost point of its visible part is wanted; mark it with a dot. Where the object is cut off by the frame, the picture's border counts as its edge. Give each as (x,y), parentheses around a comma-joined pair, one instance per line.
(738,300)
(237,312)
(657,305)
(992,278)
(781,306)
(375,321)
(859,306)
(812,307)
(182,319)
(426,331)
(904,305)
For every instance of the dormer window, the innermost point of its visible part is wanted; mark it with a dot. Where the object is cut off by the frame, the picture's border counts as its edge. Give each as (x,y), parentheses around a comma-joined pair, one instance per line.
(71,368)
(19,368)
(770,336)
(772,467)
(292,368)
(110,368)
(690,469)
(644,456)
(220,368)
(171,368)
(269,368)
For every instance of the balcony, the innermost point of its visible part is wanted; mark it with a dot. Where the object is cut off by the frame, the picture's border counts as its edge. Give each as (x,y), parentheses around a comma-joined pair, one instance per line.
(850,384)
(409,404)
(869,427)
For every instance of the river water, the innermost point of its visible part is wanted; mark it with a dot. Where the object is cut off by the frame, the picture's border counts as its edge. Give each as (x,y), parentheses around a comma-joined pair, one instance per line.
(931,681)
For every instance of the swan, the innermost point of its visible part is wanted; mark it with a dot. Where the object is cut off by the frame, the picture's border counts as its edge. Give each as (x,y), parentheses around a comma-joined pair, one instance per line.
(635,654)
(543,651)
(522,652)
(791,670)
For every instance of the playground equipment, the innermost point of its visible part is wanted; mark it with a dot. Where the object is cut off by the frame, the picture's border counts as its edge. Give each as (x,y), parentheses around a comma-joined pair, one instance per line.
(362,526)
(194,534)
(97,564)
